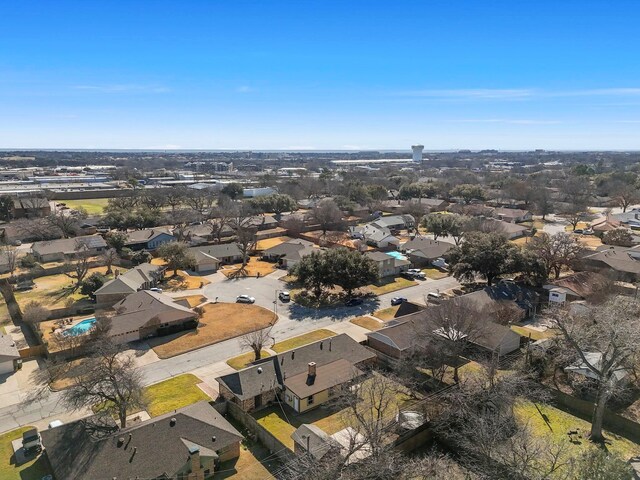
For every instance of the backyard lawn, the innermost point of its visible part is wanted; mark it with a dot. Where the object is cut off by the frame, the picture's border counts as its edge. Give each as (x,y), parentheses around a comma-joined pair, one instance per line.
(243,360)
(301,340)
(546,420)
(183,281)
(177,392)
(367,322)
(386,313)
(33,470)
(387,285)
(271,242)
(220,321)
(250,465)
(93,206)
(252,269)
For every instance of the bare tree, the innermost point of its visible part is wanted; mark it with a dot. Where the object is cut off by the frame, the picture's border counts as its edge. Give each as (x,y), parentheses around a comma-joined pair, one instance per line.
(257,340)
(109,257)
(326,214)
(78,269)
(605,342)
(200,201)
(242,223)
(11,258)
(65,222)
(217,220)
(175,197)
(108,381)
(557,251)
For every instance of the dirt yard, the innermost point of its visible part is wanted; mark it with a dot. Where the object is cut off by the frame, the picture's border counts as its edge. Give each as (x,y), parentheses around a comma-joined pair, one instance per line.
(220,321)
(254,268)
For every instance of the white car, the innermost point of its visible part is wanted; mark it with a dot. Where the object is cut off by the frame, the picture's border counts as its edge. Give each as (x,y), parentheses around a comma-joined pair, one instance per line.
(56,423)
(155,289)
(245,299)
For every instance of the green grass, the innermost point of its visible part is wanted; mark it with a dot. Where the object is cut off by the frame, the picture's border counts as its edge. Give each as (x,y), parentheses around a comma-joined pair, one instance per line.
(558,423)
(93,206)
(301,340)
(535,334)
(391,285)
(177,392)
(33,470)
(241,361)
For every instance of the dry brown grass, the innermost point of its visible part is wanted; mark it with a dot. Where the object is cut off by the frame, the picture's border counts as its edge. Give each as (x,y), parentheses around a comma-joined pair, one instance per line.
(193,300)
(368,323)
(220,321)
(252,269)
(271,242)
(183,281)
(386,313)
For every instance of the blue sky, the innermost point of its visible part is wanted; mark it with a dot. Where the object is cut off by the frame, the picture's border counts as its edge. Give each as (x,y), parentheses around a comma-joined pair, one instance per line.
(320,74)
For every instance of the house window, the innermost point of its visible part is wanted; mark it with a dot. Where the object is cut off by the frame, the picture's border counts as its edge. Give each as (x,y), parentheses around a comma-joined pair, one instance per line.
(310,400)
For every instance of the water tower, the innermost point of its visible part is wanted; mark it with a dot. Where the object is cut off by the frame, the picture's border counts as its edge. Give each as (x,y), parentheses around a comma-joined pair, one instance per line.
(417,152)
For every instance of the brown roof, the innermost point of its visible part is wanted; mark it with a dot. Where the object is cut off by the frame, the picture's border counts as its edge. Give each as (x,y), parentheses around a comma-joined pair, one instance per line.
(583,284)
(327,376)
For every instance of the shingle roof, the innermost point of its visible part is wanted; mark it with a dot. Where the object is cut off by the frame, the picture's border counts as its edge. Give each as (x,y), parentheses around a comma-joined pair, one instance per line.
(427,248)
(68,246)
(620,259)
(146,235)
(161,446)
(131,281)
(146,308)
(314,439)
(274,371)
(219,251)
(327,376)
(582,284)
(8,349)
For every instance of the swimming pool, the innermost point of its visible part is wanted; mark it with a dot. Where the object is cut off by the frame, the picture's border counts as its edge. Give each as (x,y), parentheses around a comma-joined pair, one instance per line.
(80,328)
(396,255)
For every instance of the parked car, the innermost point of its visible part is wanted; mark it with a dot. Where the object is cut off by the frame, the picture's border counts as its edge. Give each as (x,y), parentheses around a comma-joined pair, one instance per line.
(434,295)
(414,270)
(413,273)
(245,299)
(440,263)
(56,423)
(155,289)
(420,276)
(352,302)
(398,300)
(407,275)
(284,296)
(578,230)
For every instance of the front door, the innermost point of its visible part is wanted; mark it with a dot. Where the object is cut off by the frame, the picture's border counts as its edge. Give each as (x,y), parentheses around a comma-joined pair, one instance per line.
(257,401)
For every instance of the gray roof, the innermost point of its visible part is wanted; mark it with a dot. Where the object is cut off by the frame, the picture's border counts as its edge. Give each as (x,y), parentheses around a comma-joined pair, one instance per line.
(78,450)
(146,235)
(220,250)
(618,258)
(427,248)
(394,220)
(316,440)
(273,371)
(131,281)
(287,248)
(146,308)
(8,349)
(68,246)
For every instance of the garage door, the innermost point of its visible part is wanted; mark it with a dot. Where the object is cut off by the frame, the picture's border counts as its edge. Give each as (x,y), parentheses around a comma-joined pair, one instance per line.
(6,367)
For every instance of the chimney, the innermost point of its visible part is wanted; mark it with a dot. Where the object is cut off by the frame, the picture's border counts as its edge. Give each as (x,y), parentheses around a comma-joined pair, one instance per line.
(312,369)
(194,460)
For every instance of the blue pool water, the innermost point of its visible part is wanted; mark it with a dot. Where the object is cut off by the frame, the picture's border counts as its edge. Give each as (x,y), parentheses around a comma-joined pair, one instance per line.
(80,328)
(397,255)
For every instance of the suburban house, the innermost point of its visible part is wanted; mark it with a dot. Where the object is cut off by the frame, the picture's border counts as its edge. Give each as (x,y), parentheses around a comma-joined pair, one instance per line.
(8,354)
(303,378)
(289,253)
(401,334)
(375,236)
(30,207)
(431,204)
(509,230)
(388,265)
(620,262)
(422,251)
(148,239)
(147,314)
(5,262)
(578,286)
(605,224)
(263,222)
(630,217)
(189,443)
(198,234)
(595,358)
(210,257)
(513,215)
(142,277)
(524,300)
(66,248)
(395,222)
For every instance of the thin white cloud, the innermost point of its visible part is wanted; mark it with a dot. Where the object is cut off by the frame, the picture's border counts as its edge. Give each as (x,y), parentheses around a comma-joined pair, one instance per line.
(244,89)
(122,88)
(510,121)
(517,93)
